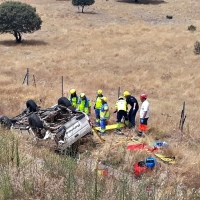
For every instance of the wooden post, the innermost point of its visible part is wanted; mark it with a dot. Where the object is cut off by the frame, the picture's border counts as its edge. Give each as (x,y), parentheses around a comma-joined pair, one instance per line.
(34,82)
(183,117)
(27,77)
(118,92)
(62,87)
(24,78)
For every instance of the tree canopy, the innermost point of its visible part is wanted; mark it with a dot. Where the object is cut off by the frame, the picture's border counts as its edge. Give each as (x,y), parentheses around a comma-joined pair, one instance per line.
(82,3)
(17,18)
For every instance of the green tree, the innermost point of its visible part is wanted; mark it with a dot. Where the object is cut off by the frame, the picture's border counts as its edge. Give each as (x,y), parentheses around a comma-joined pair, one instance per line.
(17,18)
(82,3)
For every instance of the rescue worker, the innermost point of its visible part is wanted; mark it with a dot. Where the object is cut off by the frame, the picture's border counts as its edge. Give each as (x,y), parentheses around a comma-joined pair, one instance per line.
(104,115)
(84,104)
(132,101)
(97,106)
(73,98)
(144,114)
(121,110)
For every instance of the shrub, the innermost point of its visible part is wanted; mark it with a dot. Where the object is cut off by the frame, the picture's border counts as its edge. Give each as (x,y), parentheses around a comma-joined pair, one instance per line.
(191,28)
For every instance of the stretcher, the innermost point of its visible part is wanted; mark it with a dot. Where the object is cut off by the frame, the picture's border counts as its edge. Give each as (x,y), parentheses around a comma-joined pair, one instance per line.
(166,159)
(110,127)
(99,136)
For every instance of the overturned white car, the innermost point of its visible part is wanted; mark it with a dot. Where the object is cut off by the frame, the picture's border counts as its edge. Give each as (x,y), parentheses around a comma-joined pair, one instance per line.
(60,122)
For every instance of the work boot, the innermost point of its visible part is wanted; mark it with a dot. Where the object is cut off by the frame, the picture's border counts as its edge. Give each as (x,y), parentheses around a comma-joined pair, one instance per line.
(131,126)
(97,124)
(102,133)
(139,133)
(118,131)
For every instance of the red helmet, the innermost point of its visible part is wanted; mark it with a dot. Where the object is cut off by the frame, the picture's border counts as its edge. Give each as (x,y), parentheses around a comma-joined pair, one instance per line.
(143,96)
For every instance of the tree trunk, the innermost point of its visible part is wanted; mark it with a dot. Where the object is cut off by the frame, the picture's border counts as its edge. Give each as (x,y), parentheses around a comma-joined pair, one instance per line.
(18,36)
(82,8)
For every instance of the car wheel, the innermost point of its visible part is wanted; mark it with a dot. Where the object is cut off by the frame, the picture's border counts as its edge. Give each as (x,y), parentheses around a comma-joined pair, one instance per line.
(35,122)
(5,121)
(31,105)
(63,101)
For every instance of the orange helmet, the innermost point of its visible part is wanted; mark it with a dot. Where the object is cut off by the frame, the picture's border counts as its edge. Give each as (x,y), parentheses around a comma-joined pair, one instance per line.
(143,96)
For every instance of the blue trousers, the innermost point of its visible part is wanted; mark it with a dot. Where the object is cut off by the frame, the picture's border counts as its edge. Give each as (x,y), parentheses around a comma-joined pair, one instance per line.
(103,125)
(97,114)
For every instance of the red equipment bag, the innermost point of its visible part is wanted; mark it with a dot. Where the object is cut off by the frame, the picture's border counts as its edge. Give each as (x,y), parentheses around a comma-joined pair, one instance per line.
(139,168)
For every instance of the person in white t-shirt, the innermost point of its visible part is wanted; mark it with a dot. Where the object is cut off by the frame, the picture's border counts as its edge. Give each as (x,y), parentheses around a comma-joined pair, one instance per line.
(144,111)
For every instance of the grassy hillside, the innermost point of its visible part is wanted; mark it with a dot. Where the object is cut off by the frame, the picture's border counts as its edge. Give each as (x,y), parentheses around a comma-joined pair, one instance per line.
(114,44)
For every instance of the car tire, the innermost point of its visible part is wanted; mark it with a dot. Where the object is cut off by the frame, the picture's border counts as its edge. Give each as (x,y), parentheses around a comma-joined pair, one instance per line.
(63,101)
(35,122)
(31,105)
(5,121)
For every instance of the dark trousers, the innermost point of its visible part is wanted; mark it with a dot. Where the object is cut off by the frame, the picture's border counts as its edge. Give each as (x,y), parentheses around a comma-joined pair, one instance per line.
(144,121)
(121,114)
(131,115)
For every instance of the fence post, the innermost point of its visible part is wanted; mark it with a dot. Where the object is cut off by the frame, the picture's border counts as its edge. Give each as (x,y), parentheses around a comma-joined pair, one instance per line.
(24,78)
(27,77)
(118,92)
(34,81)
(183,117)
(62,87)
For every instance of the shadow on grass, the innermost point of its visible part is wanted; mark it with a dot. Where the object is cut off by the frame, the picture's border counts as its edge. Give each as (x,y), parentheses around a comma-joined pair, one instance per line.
(142,2)
(88,12)
(157,2)
(23,43)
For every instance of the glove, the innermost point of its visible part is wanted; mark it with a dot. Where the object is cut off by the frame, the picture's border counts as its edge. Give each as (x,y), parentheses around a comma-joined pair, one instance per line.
(141,121)
(115,111)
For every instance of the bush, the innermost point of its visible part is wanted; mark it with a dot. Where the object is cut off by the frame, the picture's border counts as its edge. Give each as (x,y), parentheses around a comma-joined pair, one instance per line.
(191,28)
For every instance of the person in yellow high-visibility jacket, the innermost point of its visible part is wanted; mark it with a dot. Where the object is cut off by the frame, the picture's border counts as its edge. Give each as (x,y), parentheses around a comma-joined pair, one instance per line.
(97,106)
(121,110)
(104,115)
(73,98)
(84,104)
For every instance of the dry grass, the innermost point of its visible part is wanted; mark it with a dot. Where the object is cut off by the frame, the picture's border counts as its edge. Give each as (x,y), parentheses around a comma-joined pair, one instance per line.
(114,44)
